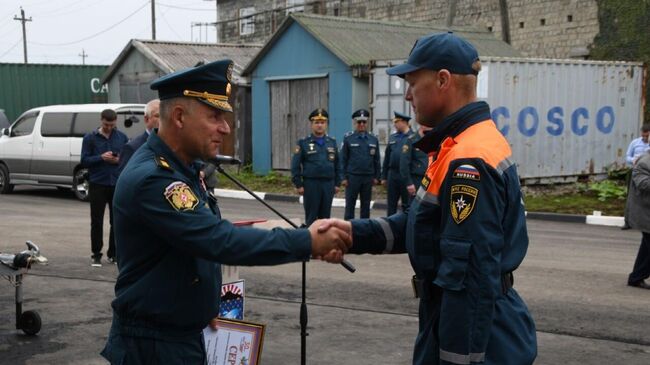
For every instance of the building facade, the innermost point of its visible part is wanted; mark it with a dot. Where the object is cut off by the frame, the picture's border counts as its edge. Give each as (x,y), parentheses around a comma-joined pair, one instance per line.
(537,28)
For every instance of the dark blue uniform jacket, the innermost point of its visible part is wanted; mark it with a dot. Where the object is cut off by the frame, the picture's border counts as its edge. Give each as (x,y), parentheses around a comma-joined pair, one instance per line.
(393,152)
(360,155)
(315,161)
(464,232)
(413,161)
(94,144)
(170,240)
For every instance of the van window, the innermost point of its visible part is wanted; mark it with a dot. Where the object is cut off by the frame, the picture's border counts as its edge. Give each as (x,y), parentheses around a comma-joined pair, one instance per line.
(85,123)
(24,126)
(56,124)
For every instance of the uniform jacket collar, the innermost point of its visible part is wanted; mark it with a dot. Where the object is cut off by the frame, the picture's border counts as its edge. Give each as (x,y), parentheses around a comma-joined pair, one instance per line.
(454,125)
(160,148)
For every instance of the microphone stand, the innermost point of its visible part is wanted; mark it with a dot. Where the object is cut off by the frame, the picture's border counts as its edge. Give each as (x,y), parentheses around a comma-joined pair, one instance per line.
(303,303)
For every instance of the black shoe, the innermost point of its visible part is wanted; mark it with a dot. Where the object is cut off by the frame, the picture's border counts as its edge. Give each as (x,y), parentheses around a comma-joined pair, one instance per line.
(96,262)
(626,227)
(640,284)
(111,260)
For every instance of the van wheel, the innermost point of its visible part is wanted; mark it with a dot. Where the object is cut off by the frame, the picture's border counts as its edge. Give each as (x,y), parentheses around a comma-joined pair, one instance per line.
(5,186)
(80,184)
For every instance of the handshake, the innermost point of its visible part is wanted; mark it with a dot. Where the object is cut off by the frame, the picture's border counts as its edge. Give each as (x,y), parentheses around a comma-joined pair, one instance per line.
(330,239)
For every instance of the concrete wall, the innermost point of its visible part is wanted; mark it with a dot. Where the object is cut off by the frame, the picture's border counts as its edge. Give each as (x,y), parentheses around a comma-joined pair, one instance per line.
(538,28)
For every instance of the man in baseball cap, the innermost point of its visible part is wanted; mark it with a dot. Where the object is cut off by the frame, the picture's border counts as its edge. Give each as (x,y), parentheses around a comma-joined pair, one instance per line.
(465,231)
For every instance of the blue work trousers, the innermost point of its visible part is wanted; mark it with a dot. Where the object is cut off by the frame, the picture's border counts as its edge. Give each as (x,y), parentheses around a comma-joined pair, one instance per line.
(358,185)
(317,198)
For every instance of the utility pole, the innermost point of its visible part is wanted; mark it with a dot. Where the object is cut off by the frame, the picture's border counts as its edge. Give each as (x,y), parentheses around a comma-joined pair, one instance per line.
(23,20)
(216,21)
(153,19)
(83,56)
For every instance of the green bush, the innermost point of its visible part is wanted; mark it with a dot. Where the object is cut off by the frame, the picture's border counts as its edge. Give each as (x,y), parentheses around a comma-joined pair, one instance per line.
(608,189)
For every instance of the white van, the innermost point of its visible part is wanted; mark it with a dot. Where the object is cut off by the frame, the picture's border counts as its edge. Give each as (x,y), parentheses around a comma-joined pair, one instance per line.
(43,146)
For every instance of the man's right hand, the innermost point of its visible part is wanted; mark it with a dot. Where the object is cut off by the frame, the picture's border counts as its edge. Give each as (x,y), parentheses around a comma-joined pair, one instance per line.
(411,189)
(300,190)
(327,238)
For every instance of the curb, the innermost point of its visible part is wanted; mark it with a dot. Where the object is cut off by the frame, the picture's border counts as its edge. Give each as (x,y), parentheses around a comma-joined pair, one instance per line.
(594,219)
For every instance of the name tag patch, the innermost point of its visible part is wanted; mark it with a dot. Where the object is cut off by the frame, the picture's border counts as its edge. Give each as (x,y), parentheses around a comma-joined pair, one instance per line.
(467,172)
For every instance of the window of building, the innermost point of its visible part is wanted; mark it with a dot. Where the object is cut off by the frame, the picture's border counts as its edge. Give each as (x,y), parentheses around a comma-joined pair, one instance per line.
(542,22)
(295,6)
(489,29)
(569,18)
(246,21)
(56,124)
(521,24)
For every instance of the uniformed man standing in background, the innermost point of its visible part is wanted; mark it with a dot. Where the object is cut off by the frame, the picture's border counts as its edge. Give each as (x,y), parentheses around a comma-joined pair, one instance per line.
(360,165)
(414,162)
(170,237)
(315,168)
(390,173)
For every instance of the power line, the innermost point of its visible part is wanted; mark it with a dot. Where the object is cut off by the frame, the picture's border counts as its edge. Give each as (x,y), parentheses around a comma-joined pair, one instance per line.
(181,7)
(96,34)
(12,48)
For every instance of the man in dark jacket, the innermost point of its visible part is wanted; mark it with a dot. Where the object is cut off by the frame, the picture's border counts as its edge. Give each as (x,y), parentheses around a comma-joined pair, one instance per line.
(637,214)
(360,165)
(170,236)
(100,154)
(151,120)
(465,231)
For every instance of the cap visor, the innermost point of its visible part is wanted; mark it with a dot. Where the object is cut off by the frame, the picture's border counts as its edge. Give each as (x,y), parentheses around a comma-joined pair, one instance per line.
(401,70)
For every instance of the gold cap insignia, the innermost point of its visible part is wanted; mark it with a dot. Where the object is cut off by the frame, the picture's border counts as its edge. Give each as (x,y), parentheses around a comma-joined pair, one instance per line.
(181,196)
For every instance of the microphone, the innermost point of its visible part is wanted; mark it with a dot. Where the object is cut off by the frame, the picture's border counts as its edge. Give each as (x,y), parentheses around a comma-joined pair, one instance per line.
(224,160)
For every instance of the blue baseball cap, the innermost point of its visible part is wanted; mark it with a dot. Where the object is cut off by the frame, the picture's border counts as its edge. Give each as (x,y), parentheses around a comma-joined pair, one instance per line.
(208,83)
(439,51)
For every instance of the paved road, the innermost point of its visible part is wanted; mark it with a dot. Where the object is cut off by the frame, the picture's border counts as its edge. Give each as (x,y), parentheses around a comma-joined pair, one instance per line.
(573,280)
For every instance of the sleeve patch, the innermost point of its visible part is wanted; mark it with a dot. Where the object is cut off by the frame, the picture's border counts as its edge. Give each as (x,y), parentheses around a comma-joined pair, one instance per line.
(463,200)
(467,172)
(405,148)
(181,196)
(296,150)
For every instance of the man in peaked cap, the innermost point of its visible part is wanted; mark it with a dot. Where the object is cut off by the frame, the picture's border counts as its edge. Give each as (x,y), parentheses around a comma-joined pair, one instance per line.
(170,237)
(315,170)
(390,174)
(465,231)
(360,165)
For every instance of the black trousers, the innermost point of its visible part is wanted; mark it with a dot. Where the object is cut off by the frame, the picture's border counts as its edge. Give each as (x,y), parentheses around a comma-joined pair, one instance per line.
(641,269)
(317,199)
(99,196)
(396,191)
(358,185)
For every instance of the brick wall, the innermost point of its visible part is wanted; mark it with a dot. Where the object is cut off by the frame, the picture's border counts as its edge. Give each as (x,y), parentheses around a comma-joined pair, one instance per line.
(538,28)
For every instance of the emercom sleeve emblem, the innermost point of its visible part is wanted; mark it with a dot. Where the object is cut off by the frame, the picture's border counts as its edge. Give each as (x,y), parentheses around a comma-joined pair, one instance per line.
(181,196)
(463,199)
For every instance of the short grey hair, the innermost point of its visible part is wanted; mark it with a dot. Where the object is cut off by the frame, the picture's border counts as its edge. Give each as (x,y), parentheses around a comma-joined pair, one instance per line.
(147,107)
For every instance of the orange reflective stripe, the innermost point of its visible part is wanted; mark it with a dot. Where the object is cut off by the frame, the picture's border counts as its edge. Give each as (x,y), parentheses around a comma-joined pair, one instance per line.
(482,140)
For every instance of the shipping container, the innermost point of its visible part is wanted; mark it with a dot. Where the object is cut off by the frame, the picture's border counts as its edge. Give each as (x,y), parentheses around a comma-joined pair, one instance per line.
(563,118)
(26,86)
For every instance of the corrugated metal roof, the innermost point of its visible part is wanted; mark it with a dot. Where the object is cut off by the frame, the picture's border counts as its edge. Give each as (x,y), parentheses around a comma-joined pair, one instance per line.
(173,56)
(358,41)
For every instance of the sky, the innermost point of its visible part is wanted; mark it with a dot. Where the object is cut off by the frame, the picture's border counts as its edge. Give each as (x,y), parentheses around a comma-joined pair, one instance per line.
(61,30)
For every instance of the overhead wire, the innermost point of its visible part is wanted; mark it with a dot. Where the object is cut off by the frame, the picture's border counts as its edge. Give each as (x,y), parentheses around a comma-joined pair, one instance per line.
(12,47)
(96,34)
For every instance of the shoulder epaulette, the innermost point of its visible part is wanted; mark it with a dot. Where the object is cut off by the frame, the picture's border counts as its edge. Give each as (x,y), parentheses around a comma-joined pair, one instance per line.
(162,163)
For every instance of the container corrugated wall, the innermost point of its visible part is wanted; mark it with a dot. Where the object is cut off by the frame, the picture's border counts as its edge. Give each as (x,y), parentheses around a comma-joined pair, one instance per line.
(25,86)
(563,118)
